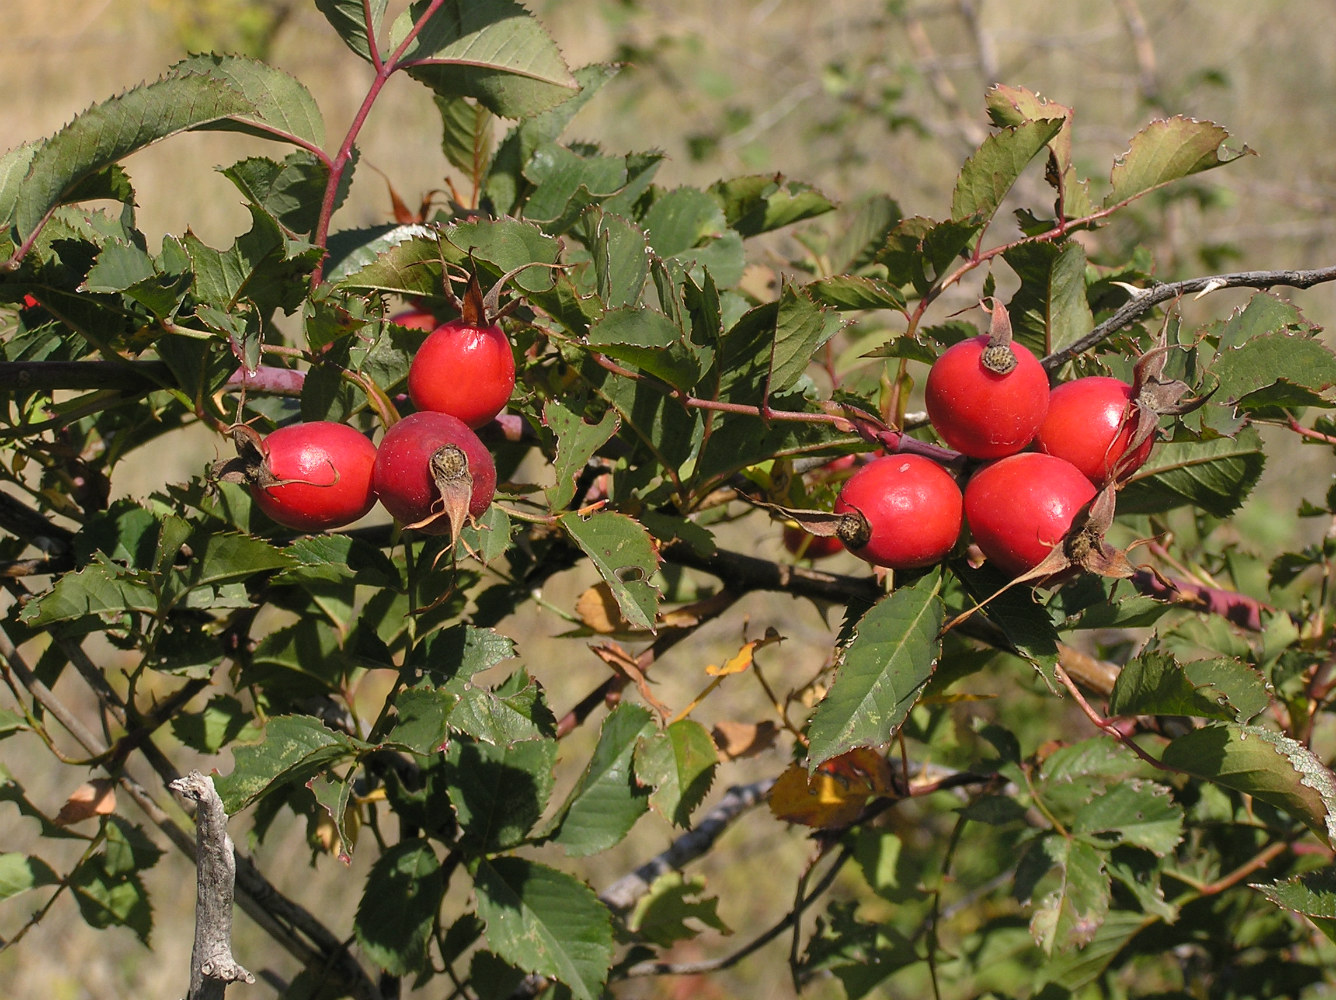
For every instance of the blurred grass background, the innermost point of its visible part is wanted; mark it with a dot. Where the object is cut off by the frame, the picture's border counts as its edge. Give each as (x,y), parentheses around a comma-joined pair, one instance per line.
(852,96)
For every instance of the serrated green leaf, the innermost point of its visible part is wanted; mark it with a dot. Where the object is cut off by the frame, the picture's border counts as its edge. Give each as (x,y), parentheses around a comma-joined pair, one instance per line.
(1312,894)
(20,872)
(1263,764)
(118,267)
(109,898)
(921,251)
(623,553)
(1156,684)
(621,257)
(1167,150)
(506,182)
(422,718)
(545,921)
(678,763)
(499,792)
(222,721)
(802,327)
(262,266)
(1069,317)
(849,291)
(1070,915)
(283,107)
(1013,105)
(96,590)
(1215,475)
(1136,813)
(461,650)
(881,672)
(398,910)
(576,442)
(514,712)
(606,802)
(989,174)
(760,203)
(114,129)
(649,340)
(290,190)
(466,136)
(675,909)
(339,559)
(295,748)
(494,51)
(349,18)
(1078,968)
(1278,361)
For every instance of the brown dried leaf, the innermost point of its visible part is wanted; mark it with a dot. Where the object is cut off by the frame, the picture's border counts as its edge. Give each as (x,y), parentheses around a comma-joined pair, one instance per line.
(744,739)
(94,798)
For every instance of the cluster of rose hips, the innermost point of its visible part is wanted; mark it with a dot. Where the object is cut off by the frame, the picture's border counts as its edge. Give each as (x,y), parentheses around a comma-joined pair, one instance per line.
(430,472)
(1037,457)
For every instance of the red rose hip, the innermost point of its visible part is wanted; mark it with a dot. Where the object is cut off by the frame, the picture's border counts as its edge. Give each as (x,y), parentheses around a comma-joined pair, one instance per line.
(981,412)
(912,507)
(432,473)
(1019,507)
(464,370)
(1091,423)
(311,476)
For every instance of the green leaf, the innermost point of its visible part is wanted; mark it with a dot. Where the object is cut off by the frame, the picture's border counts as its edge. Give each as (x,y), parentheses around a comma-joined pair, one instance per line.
(674,909)
(623,553)
(96,590)
(621,257)
(461,650)
(499,792)
(507,182)
(290,191)
(881,672)
(494,51)
(606,801)
(263,266)
(1215,475)
(336,559)
(112,130)
(221,722)
(1167,150)
(349,18)
(761,203)
(545,921)
(989,174)
(111,899)
(1069,316)
(20,872)
(679,764)
(576,441)
(922,251)
(283,107)
(1297,369)
(1156,684)
(466,136)
(1136,813)
(1312,894)
(1013,105)
(512,713)
(398,910)
(1263,764)
(1069,915)
(649,340)
(296,748)
(1076,969)
(119,266)
(802,327)
(848,291)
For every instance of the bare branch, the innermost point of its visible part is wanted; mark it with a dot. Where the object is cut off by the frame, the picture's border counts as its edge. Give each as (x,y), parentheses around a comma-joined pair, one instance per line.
(212,967)
(623,893)
(1146,299)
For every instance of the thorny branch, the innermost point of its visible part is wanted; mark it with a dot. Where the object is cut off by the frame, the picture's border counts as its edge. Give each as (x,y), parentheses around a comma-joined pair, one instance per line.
(1147,298)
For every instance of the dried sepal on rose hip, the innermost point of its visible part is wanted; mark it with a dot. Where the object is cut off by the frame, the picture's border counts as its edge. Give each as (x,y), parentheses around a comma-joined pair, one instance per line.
(986,396)
(433,474)
(310,476)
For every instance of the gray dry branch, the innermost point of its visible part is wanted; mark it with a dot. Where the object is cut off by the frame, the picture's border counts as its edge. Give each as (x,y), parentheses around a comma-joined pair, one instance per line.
(212,967)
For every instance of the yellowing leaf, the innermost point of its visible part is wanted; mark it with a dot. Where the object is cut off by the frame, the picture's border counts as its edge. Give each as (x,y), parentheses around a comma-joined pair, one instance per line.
(743,658)
(836,794)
